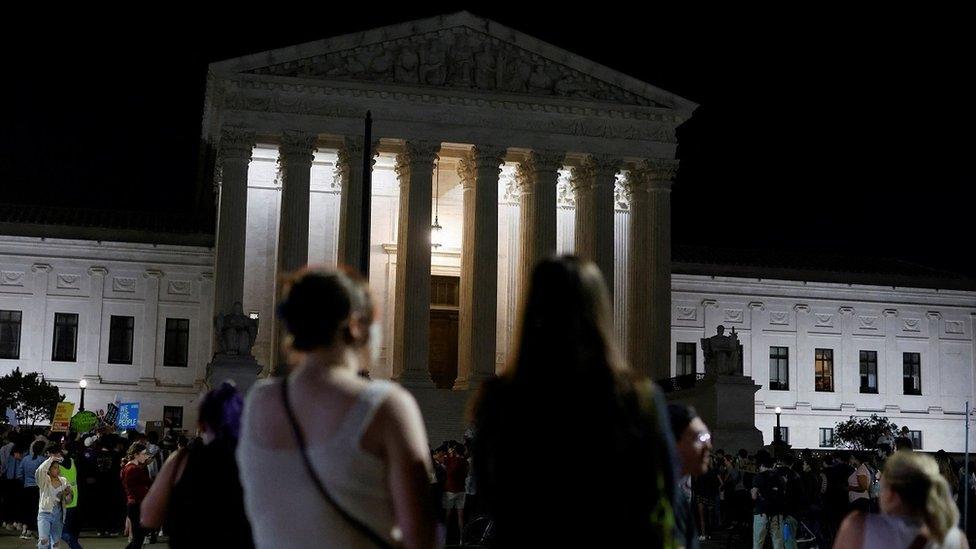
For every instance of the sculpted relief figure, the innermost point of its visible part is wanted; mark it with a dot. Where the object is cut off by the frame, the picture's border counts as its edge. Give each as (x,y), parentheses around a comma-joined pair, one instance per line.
(723,353)
(407,65)
(485,67)
(462,61)
(433,71)
(236,332)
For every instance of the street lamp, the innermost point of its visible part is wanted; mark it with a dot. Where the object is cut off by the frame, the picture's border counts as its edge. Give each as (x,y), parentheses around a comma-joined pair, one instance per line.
(776,434)
(82,384)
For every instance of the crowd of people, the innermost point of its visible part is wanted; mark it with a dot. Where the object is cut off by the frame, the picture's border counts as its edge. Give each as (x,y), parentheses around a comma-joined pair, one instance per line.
(888,497)
(567,447)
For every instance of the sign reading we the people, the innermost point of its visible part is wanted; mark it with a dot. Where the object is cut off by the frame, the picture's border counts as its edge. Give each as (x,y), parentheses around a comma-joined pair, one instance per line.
(128,415)
(62,417)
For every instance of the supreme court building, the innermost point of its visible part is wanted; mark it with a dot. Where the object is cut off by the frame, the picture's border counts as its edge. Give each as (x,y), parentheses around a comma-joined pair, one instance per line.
(515,150)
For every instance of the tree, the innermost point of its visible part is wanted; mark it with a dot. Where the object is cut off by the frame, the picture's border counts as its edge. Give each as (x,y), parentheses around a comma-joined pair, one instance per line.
(30,396)
(862,433)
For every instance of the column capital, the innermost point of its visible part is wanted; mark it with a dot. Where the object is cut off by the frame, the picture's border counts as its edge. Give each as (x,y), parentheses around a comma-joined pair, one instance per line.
(801,308)
(416,154)
(296,147)
(847,311)
(934,315)
(536,162)
(651,174)
(97,270)
(41,268)
(236,143)
(890,312)
(350,153)
(709,303)
(487,154)
(153,273)
(757,305)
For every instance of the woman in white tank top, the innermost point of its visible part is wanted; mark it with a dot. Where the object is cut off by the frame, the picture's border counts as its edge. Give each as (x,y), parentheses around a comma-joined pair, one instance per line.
(917,511)
(364,441)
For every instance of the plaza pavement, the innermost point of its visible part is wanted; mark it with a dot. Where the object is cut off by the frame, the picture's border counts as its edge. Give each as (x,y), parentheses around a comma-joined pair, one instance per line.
(9,540)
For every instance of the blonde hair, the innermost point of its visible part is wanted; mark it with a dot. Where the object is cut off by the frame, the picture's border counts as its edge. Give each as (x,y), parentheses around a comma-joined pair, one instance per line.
(916,479)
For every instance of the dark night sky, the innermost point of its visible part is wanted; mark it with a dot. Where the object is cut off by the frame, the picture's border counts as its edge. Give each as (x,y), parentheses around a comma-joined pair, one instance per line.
(842,132)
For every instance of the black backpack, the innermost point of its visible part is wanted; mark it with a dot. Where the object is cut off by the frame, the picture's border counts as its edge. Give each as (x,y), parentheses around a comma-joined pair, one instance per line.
(774,492)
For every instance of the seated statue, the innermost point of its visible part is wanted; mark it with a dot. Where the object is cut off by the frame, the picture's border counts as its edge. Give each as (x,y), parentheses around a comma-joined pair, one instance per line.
(723,353)
(235,332)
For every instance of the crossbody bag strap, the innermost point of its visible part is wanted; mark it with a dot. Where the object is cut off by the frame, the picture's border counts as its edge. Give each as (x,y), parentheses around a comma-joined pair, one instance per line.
(359,525)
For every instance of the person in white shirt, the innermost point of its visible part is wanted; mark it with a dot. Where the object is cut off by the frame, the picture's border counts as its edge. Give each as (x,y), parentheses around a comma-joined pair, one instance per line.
(55,493)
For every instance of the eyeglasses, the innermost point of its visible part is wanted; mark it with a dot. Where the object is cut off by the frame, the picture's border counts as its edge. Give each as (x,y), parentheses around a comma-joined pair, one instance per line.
(704,437)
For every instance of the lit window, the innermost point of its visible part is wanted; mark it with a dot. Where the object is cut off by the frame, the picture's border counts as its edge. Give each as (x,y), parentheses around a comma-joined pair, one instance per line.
(779,368)
(824,370)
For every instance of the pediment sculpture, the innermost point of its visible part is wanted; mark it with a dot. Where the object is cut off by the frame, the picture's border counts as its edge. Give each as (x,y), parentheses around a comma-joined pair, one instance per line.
(458,58)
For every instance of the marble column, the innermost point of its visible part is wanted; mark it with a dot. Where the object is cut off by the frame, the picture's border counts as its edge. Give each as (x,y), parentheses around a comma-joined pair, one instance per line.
(235,155)
(593,183)
(295,156)
(756,349)
(649,267)
(537,176)
(34,342)
(932,367)
(349,168)
(891,383)
(479,173)
(411,315)
(847,369)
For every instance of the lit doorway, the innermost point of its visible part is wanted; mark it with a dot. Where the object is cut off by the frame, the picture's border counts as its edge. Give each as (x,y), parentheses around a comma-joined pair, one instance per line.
(445,300)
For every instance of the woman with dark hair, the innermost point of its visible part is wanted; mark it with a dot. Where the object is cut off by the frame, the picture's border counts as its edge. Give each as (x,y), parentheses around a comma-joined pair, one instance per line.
(135,482)
(31,494)
(608,475)
(859,483)
(327,457)
(199,488)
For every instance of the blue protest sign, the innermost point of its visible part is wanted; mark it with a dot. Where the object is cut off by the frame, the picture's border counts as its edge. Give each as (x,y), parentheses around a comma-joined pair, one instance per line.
(128,416)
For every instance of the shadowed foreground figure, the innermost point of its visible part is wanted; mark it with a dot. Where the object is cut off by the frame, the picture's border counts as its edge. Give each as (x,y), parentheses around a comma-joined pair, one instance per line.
(573,448)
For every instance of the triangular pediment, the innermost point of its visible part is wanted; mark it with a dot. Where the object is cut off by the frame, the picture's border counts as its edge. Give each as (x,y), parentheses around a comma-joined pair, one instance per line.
(457,52)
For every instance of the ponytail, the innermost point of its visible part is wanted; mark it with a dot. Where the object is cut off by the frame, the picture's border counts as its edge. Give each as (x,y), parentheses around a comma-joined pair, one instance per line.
(916,479)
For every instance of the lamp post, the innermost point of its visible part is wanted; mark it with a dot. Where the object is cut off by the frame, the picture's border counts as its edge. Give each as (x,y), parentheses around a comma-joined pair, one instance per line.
(776,433)
(82,384)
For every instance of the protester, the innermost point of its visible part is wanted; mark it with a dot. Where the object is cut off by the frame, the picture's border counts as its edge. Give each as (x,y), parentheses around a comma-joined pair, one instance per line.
(609,467)
(769,497)
(53,493)
(13,482)
(69,466)
(836,497)
(136,482)
(693,445)
(858,483)
(916,510)
(197,493)
(456,469)
(362,477)
(31,494)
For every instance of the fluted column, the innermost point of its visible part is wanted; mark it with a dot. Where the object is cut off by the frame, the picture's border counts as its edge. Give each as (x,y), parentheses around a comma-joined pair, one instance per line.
(593,184)
(649,267)
(236,145)
(479,173)
(411,315)
(349,168)
(295,156)
(537,176)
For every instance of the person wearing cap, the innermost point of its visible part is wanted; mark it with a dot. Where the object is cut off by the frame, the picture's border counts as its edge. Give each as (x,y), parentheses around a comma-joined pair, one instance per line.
(694,446)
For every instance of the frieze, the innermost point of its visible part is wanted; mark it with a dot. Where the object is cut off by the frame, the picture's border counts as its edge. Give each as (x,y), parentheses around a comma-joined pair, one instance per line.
(733,315)
(954,327)
(68,281)
(912,324)
(824,320)
(867,322)
(11,278)
(779,318)
(179,287)
(123,284)
(686,313)
(624,125)
(460,58)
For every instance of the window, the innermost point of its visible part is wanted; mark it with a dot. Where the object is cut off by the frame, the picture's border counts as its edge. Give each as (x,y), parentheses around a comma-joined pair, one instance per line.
(912,378)
(869,371)
(685,363)
(120,339)
(779,368)
(826,437)
(177,342)
(823,372)
(65,337)
(173,417)
(10,334)
(916,437)
(784,434)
